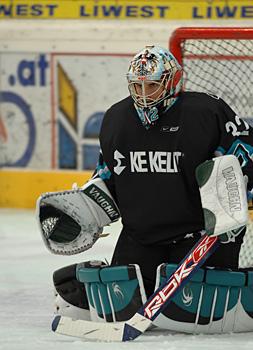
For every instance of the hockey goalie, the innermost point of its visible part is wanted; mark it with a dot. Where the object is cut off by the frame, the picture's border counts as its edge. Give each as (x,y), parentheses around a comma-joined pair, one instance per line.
(173,165)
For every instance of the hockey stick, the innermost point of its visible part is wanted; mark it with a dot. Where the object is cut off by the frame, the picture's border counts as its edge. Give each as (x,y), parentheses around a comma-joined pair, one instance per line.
(157,302)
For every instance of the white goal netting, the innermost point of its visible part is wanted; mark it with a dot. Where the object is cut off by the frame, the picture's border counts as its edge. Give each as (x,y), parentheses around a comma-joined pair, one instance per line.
(223,68)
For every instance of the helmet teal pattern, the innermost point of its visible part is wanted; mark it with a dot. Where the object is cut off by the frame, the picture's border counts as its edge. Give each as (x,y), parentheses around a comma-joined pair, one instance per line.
(157,66)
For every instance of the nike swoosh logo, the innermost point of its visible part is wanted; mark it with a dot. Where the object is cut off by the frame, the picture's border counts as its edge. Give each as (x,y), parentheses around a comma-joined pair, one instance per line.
(169,128)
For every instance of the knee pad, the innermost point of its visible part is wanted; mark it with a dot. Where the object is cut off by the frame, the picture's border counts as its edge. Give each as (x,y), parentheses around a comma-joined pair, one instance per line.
(214,301)
(114,293)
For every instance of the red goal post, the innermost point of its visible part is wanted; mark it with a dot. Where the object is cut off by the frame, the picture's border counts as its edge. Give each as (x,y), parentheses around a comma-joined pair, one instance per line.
(218,60)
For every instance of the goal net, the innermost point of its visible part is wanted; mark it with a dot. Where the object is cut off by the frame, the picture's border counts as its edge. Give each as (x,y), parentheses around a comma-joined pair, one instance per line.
(220,61)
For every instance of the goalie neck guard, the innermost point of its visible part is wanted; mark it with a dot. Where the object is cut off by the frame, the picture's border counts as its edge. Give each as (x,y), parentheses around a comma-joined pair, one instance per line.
(154,81)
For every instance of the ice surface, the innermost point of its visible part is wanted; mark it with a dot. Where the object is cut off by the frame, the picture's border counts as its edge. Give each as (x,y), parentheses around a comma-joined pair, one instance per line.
(26,293)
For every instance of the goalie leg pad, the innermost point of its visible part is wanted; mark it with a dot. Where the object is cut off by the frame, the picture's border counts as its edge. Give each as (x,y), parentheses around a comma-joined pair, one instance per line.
(214,301)
(114,293)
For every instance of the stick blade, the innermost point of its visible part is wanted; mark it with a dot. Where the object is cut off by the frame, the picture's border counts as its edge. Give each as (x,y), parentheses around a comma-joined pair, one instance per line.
(98,331)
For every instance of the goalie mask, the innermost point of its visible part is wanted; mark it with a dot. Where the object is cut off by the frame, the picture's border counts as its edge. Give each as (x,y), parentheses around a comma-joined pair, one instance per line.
(154,82)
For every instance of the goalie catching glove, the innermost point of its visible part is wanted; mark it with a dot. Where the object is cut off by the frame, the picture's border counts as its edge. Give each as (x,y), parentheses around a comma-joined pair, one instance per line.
(71,221)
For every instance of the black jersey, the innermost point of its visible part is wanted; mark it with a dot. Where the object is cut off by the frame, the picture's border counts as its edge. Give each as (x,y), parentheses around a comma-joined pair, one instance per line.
(151,173)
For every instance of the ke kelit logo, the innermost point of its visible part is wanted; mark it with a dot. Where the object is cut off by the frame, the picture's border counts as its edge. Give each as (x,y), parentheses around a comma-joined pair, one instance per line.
(149,162)
(184,270)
